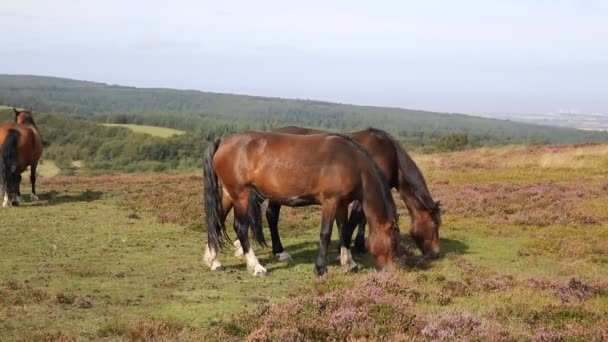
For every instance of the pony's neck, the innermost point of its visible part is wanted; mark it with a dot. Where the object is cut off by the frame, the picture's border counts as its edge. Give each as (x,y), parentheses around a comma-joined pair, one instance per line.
(379,207)
(31,123)
(416,209)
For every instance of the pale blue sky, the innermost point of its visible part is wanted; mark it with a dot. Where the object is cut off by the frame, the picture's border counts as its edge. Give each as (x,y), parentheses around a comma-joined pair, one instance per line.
(453,56)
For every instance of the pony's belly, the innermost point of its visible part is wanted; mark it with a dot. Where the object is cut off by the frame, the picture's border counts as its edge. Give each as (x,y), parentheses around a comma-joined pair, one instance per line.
(300,201)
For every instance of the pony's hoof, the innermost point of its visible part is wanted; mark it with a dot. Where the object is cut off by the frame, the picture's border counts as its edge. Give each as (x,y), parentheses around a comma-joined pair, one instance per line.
(320,270)
(259,271)
(5,205)
(239,253)
(352,268)
(285,257)
(34,198)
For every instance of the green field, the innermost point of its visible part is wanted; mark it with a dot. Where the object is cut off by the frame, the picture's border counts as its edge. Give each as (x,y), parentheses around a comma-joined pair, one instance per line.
(162,132)
(119,257)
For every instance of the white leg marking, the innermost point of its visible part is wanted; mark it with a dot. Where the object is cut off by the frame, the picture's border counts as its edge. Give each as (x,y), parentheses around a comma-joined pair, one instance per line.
(18,200)
(285,257)
(211,259)
(6,202)
(346,259)
(239,249)
(34,198)
(253,265)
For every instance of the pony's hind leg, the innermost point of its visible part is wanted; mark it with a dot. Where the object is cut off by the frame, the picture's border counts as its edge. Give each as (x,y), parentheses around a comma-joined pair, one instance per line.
(211,255)
(33,181)
(272,216)
(346,258)
(6,203)
(17,199)
(241,227)
(211,258)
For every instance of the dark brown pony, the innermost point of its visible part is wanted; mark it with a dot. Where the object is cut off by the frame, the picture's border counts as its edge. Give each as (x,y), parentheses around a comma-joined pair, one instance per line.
(401,173)
(21,147)
(252,166)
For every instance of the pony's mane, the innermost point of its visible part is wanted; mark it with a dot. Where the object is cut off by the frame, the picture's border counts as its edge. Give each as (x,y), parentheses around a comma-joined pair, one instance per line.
(387,198)
(29,119)
(412,175)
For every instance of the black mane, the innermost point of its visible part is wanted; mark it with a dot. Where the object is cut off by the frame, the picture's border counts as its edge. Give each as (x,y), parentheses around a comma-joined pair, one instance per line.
(412,174)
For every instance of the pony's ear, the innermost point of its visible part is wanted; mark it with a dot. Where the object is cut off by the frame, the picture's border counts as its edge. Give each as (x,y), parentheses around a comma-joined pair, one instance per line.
(15,110)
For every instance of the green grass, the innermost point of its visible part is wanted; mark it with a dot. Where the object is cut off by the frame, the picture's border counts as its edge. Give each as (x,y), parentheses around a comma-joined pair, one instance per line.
(162,132)
(132,246)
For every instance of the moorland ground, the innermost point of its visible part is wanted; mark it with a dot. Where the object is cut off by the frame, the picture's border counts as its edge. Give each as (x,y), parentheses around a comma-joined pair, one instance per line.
(119,257)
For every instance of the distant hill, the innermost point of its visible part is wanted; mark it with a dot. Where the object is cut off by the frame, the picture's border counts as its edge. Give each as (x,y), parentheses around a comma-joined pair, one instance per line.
(193,110)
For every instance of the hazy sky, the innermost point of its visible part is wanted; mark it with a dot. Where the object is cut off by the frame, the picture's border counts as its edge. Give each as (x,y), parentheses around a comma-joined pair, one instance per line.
(453,56)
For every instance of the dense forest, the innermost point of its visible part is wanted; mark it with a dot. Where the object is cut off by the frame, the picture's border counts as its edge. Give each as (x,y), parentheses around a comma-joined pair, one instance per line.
(75,107)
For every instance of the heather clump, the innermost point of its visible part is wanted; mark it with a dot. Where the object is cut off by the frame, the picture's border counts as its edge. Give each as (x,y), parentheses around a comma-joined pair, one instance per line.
(497,283)
(462,327)
(573,290)
(379,306)
(16,294)
(537,204)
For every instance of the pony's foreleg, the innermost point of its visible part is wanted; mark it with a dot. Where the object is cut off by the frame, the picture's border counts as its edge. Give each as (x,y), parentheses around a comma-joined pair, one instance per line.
(327,222)
(6,202)
(272,216)
(241,226)
(33,181)
(346,258)
(357,217)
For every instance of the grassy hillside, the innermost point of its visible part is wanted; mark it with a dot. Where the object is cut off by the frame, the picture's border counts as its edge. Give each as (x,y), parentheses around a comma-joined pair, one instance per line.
(524,257)
(193,110)
(162,132)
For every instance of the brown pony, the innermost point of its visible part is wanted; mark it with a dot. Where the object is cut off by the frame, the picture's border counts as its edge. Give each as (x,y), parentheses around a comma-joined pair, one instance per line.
(252,166)
(21,147)
(401,173)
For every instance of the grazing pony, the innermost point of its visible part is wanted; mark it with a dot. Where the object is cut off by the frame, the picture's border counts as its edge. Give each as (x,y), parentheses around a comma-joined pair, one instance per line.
(251,166)
(401,173)
(21,146)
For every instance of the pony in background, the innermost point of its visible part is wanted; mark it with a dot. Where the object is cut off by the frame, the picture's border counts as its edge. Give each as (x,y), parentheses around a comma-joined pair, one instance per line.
(20,148)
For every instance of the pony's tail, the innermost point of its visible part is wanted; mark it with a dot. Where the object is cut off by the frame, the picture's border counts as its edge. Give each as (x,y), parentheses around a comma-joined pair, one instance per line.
(255,215)
(216,229)
(9,158)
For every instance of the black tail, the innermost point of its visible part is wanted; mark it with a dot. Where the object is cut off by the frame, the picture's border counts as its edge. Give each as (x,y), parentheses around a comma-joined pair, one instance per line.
(255,216)
(9,166)
(216,229)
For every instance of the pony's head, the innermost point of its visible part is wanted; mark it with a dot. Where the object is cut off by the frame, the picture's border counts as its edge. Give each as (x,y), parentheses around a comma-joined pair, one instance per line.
(425,230)
(383,241)
(24,116)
